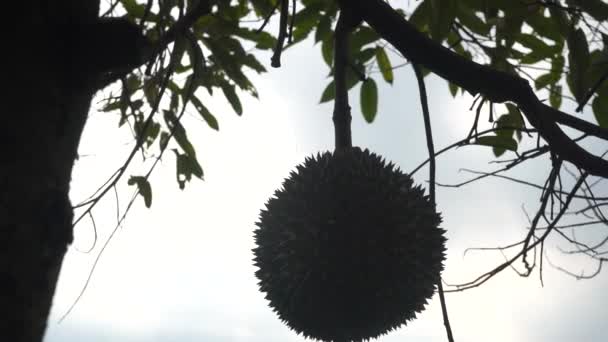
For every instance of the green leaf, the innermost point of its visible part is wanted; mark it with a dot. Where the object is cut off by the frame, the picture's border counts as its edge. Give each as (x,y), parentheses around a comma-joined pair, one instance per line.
(369,100)
(329,93)
(143,188)
(133,83)
(151,90)
(471,21)
(197,59)
(442,18)
(365,55)
(579,62)
(163,141)
(499,144)
(179,133)
(263,40)
(323,29)
(133,8)
(420,18)
(327,51)
(384,64)
(545,79)
(555,96)
(544,26)
(600,110)
(561,20)
(111,106)
(232,97)
(533,43)
(305,21)
(510,123)
(453,89)
(362,36)
(186,167)
(204,112)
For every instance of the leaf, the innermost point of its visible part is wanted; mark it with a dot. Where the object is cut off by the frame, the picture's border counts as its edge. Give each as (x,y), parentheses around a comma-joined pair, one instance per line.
(263,40)
(545,79)
(110,106)
(133,83)
(510,123)
(579,61)
(365,55)
(163,141)
(443,13)
(453,89)
(185,168)
(143,188)
(470,20)
(499,144)
(151,90)
(363,36)
(327,51)
(204,112)
(384,64)
(561,20)
(133,8)
(323,29)
(197,59)
(305,21)
(533,43)
(420,16)
(179,133)
(544,27)
(600,110)
(555,96)
(232,97)
(369,100)
(329,93)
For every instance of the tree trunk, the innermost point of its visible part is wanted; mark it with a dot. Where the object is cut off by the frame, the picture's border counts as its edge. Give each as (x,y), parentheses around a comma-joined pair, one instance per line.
(43,115)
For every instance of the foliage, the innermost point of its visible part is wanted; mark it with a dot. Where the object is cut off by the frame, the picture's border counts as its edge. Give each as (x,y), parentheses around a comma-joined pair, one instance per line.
(562,49)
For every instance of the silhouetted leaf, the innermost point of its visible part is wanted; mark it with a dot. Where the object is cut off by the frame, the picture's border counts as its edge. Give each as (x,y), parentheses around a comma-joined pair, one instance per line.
(579,61)
(143,187)
(232,97)
(329,93)
(204,112)
(555,96)
(444,12)
(327,51)
(499,143)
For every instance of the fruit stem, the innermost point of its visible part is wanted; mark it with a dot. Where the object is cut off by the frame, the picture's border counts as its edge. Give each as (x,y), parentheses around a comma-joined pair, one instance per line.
(347,21)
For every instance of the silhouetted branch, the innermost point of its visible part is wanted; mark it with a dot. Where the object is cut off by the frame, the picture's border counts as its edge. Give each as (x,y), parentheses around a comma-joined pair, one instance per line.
(431,150)
(496,86)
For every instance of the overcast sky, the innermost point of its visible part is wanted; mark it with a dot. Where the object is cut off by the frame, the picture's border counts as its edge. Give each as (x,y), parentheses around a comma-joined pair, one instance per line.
(182,271)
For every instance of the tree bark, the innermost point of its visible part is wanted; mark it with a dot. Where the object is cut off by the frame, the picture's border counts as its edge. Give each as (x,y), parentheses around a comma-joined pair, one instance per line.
(42,117)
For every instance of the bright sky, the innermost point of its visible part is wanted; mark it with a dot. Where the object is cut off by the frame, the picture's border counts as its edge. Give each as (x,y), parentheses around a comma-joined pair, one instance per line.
(182,271)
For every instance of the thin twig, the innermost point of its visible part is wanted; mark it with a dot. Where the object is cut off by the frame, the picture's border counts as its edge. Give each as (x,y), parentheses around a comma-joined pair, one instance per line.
(431,149)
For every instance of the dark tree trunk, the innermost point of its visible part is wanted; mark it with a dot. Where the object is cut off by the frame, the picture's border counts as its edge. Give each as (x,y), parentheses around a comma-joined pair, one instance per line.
(42,117)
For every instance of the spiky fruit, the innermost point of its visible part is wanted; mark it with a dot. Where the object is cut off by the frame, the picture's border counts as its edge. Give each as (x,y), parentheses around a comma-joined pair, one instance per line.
(348,249)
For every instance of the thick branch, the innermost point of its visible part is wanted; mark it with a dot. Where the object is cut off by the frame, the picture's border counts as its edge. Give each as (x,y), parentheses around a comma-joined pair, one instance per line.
(495,85)
(150,53)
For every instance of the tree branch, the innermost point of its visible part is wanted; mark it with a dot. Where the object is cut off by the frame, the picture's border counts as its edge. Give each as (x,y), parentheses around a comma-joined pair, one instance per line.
(431,147)
(180,26)
(497,86)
